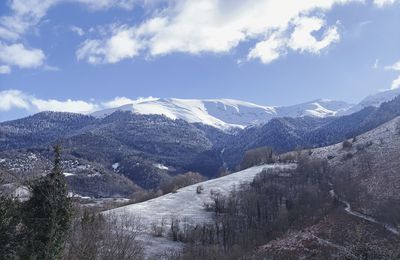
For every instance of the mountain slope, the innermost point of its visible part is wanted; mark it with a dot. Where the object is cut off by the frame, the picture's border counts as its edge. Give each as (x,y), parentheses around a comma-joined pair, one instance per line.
(285,134)
(374,100)
(186,206)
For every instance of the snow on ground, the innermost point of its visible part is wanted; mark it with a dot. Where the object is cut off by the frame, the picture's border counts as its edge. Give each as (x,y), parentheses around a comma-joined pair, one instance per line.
(67,174)
(186,205)
(115,166)
(22,193)
(382,137)
(161,166)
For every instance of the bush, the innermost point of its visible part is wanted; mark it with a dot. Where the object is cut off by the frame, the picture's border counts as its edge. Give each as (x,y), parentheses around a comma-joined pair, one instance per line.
(257,156)
(199,189)
(346,144)
(95,236)
(174,183)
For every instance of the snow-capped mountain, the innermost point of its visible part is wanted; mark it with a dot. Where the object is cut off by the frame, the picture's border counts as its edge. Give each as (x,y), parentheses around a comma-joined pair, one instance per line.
(226,113)
(374,100)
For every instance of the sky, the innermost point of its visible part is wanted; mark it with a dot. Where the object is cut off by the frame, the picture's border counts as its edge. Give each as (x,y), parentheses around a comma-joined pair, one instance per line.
(86,55)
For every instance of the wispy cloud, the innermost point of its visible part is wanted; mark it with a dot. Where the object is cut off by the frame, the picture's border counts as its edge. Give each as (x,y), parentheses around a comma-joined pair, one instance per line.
(78,30)
(382,3)
(4,69)
(16,99)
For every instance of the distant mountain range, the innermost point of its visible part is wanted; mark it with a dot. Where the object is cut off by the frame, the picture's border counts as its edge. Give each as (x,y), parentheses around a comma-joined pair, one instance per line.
(228,113)
(146,142)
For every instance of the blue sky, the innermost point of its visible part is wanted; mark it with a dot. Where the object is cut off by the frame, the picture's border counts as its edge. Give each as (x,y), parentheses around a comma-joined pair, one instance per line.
(80,55)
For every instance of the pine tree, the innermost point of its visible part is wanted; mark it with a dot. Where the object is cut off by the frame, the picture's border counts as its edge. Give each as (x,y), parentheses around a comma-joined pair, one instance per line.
(8,227)
(47,215)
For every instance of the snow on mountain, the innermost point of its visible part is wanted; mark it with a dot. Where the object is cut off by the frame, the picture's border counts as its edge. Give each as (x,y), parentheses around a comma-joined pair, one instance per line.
(316,108)
(374,100)
(186,205)
(226,113)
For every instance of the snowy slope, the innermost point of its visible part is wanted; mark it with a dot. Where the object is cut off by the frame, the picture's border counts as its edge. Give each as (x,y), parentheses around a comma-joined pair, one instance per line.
(374,100)
(226,113)
(186,205)
(316,108)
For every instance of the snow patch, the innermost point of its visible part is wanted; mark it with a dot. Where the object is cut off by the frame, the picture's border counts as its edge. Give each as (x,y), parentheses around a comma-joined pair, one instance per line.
(115,166)
(161,166)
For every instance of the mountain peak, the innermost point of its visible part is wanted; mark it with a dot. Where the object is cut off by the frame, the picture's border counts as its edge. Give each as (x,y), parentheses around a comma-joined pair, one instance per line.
(225,113)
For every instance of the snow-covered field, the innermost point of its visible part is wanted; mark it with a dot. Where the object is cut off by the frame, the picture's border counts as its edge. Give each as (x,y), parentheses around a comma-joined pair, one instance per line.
(186,205)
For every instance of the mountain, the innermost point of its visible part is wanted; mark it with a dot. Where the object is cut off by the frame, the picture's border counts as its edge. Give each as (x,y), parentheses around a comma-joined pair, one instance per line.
(226,113)
(373,100)
(285,134)
(147,149)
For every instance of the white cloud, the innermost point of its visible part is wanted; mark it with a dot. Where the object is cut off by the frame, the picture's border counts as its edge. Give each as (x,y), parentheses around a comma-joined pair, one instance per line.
(10,99)
(96,5)
(395,66)
(268,50)
(396,83)
(302,39)
(121,45)
(79,31)
(218,26)
(4,69)
(25,15)
(18,55)
(16,99)
(382,3)
(13,99)
(74,106)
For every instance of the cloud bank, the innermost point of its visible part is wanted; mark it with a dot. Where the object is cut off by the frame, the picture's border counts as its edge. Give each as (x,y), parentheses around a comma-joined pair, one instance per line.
(15,99)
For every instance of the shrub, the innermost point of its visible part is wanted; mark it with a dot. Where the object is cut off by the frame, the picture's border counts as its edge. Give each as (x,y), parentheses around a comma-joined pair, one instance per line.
(257,156)
(182,180)
(199,189)
(346,144)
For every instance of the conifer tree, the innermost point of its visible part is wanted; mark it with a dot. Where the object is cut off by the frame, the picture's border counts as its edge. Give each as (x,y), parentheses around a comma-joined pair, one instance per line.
(47,215)
(8,226)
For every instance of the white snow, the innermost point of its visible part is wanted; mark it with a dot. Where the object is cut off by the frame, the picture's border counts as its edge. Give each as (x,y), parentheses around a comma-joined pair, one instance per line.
(115,166)
(22,193)
(224,113)
(375,100)
(185,205)
(160,166)
(67,174)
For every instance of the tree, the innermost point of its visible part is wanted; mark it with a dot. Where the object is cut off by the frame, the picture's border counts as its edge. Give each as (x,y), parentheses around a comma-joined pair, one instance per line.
(46,215)
(8,227)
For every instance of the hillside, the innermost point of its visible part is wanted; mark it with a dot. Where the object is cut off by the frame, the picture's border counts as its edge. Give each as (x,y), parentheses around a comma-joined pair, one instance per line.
(364,174)
(371,168)
(186,206)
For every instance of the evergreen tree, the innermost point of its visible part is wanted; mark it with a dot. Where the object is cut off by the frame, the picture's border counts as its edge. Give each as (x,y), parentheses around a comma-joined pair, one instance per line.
(8,227)
(47,215)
